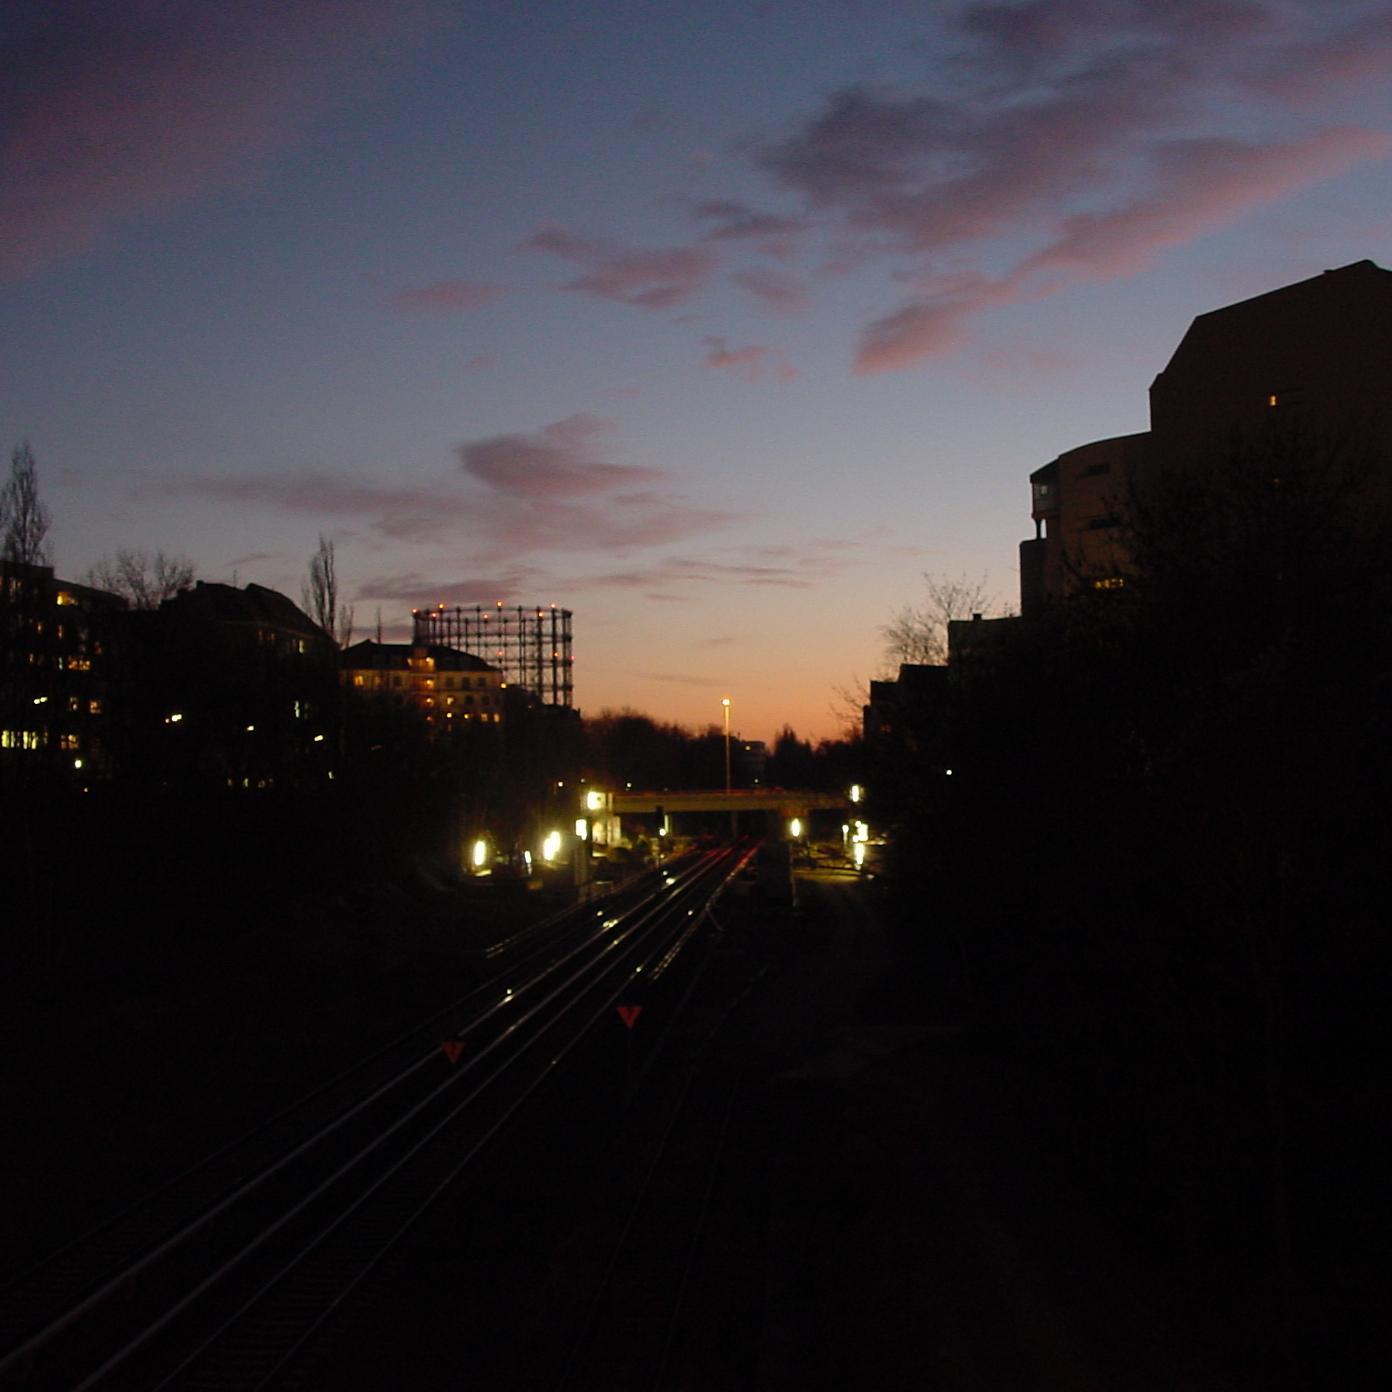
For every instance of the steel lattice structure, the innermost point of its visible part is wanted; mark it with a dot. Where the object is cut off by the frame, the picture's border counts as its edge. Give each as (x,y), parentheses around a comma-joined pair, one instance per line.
(532,647)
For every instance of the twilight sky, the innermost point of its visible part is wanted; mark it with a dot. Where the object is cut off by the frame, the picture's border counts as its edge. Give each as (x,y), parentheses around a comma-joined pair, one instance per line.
(717,323)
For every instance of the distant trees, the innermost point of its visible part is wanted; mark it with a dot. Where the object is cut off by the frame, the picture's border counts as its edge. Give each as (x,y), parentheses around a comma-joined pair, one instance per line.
(24,520)
(144,581)
(319,595)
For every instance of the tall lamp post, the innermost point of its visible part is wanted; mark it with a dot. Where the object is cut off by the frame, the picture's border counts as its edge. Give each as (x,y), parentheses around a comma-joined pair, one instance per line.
(725,702)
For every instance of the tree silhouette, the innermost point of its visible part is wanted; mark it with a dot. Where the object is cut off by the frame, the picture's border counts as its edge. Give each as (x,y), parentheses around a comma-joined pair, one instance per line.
(319,595)
(918,633)
(145,582)
(24,517)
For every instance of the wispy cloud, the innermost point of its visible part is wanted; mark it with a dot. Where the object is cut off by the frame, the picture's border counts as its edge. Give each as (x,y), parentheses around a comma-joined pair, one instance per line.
(556,462)
(1074,140)
(750,362)
(779,290)
(511,500)
(417,591)
(1195,186)
(651,279)
(119,111)
(679,679)
(446,296)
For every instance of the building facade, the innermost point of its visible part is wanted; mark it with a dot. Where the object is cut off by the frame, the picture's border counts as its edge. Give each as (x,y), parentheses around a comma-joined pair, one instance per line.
(1301,369)
(56,662)
(453,690)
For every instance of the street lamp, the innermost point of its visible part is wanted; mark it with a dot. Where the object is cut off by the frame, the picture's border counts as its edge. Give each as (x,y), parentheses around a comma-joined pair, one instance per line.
(725,702)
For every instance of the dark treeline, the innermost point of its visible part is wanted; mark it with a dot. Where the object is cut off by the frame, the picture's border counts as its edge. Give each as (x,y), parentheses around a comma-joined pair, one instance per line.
(1159,872)
(628,747)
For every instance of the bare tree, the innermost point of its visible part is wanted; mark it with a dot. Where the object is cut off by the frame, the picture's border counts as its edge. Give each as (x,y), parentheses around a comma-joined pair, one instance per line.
(319,595)
(918,634)
(24,517)
(144,581)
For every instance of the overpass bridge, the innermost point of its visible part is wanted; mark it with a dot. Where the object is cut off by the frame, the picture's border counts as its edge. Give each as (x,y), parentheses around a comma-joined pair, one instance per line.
(785,802)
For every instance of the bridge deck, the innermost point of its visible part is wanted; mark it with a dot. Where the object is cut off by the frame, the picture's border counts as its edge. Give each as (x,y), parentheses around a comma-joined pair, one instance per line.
(792,802)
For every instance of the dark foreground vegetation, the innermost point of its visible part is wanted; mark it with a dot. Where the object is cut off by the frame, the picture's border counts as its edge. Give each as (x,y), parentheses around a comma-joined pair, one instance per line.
(1162,851)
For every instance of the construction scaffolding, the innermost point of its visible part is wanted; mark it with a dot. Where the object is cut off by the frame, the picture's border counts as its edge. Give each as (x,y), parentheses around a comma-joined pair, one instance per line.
(530,646)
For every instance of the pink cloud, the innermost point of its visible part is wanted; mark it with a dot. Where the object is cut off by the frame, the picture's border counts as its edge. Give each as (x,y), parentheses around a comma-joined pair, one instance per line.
(1075,139)
(447,296)
(1195,187)
(554,463)
(126,110)
(777,289)
(658,279)
(420,592)
(719,355)
(772,234)
(1201,185)
(749,361)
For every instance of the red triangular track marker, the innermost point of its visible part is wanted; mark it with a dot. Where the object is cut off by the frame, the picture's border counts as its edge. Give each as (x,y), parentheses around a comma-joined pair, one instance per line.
(452,1048)
(629,1014)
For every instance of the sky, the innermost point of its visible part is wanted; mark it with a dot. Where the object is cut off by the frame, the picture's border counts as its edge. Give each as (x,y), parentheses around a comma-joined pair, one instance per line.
(719,324)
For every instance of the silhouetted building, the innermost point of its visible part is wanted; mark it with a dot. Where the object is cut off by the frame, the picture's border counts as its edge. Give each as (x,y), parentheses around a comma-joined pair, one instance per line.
(451,689)
(1305,367)
(55,676)
(901,711)
(1078,501)
(228,688)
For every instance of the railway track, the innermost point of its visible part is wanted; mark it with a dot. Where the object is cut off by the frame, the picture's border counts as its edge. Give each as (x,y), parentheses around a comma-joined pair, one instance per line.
(232,1274)
(634,1332)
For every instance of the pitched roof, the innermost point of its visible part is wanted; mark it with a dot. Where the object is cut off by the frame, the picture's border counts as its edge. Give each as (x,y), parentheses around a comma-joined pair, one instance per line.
(389,655)
(209,601)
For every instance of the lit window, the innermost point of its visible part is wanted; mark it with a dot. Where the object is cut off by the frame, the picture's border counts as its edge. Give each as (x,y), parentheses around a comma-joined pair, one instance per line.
(1109,582)
(65,598)
(1273,400)
(94,707)
(69,741)
(358,679)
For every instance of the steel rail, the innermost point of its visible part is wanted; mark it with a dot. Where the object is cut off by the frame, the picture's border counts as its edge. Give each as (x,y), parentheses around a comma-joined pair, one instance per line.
(612,968)
(655,907)
(22,1353)
(374,1261)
